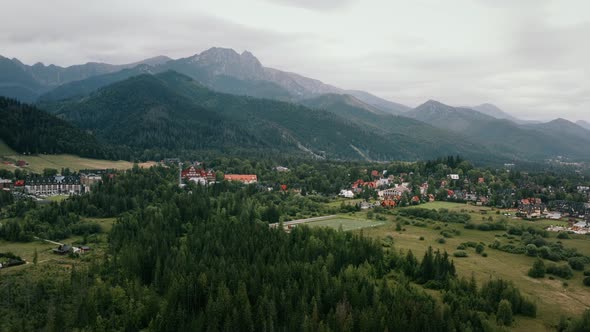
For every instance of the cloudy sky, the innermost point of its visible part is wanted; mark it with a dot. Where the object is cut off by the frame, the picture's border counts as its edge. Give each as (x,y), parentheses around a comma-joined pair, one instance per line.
(529,57)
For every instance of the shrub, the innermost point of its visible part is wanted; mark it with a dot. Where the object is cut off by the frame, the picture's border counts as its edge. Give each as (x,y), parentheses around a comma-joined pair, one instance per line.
(460,253)
(422,238)
(563,271)
(538,269)
(563,235)
(446,234)
(479,248)
(587,273)
(531,250)
(587,281)
(461,247)
(484,254)
(577,263)
(442,240)
(504,313)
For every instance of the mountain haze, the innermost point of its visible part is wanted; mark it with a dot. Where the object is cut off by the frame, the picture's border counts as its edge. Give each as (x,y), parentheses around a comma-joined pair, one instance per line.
(528,142)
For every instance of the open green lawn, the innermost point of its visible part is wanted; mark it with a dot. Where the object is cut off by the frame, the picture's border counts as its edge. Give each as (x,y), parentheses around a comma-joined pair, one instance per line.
(5,150)
(39,162)
(26,250)
(552,298)
(347,223)
(57,198)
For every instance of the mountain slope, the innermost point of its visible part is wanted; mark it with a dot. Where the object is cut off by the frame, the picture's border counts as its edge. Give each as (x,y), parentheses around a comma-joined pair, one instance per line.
(382,104)
(171,111)
(89,85)
(29,130)
(502,136)
(494,111)
(562,127)
(26,83)
(583,124)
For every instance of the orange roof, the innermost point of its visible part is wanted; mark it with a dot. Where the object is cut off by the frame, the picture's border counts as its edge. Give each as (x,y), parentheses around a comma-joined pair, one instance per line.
(241,177)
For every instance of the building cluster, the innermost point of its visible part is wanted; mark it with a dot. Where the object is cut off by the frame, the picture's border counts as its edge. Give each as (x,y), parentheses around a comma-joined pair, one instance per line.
(75,184)
(198,174)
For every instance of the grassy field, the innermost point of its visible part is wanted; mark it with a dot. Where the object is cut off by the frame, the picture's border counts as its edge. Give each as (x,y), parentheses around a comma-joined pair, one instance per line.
(26,250)
(39,162)
(552,297)
(347,223)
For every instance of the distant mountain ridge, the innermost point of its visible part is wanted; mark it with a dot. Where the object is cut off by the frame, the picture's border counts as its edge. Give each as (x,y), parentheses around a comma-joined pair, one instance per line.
(28,82)
(221,69)
(171,112)
(583,124)
(529,141)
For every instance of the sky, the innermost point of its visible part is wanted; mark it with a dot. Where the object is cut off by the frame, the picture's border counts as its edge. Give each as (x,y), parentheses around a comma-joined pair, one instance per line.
(529,57)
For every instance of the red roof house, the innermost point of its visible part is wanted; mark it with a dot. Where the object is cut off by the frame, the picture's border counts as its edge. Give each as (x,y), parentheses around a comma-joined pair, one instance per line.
(244,178)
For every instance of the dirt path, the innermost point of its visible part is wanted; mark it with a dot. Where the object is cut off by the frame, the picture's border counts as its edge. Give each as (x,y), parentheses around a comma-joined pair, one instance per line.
(303,221)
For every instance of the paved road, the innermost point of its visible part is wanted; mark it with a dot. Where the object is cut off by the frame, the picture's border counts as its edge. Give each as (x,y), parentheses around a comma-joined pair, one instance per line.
(302,221)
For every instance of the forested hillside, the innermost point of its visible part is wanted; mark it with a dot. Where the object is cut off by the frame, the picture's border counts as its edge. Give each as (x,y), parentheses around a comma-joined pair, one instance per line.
(28,130)
(172,112)
(202,259)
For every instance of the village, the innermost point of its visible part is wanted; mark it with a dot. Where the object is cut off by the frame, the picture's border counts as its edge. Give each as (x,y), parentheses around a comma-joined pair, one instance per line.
(391,191)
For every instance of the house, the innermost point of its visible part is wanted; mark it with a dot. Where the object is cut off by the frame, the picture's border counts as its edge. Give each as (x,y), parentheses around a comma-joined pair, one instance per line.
(346,193)
(63,249)
(244,178)
(53,185)
(481,180)
(416,199)
(365,205)
(6,184)
(531,207)
(383,182)
(388,203)
(89,179)
(19,184)
(424,189)
(454,176)
(375,173)
(84,249)
(281,169)
(198,175)
(430,197)
(22,163)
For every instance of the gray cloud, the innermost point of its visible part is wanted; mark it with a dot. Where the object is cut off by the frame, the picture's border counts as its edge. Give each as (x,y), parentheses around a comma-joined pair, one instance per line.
(529,57)
(322,5)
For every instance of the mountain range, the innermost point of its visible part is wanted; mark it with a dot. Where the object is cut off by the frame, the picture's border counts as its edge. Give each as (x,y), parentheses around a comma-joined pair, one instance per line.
(170,111)
(163,103)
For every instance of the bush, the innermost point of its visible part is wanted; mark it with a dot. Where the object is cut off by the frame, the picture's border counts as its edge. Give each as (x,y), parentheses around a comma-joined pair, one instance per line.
(461,247)
(460,254)
(538,269)
(577,263)
(422,238)
(504,313)
(441,240)
(563,235)
(563,271)
(531,250)
(587,273)
(587,281)
(479,248)
(446,234)
(484,254)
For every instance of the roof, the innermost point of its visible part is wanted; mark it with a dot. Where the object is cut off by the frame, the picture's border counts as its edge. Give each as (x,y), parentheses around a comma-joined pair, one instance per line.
(241,177)
(193,172)
(42,180)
